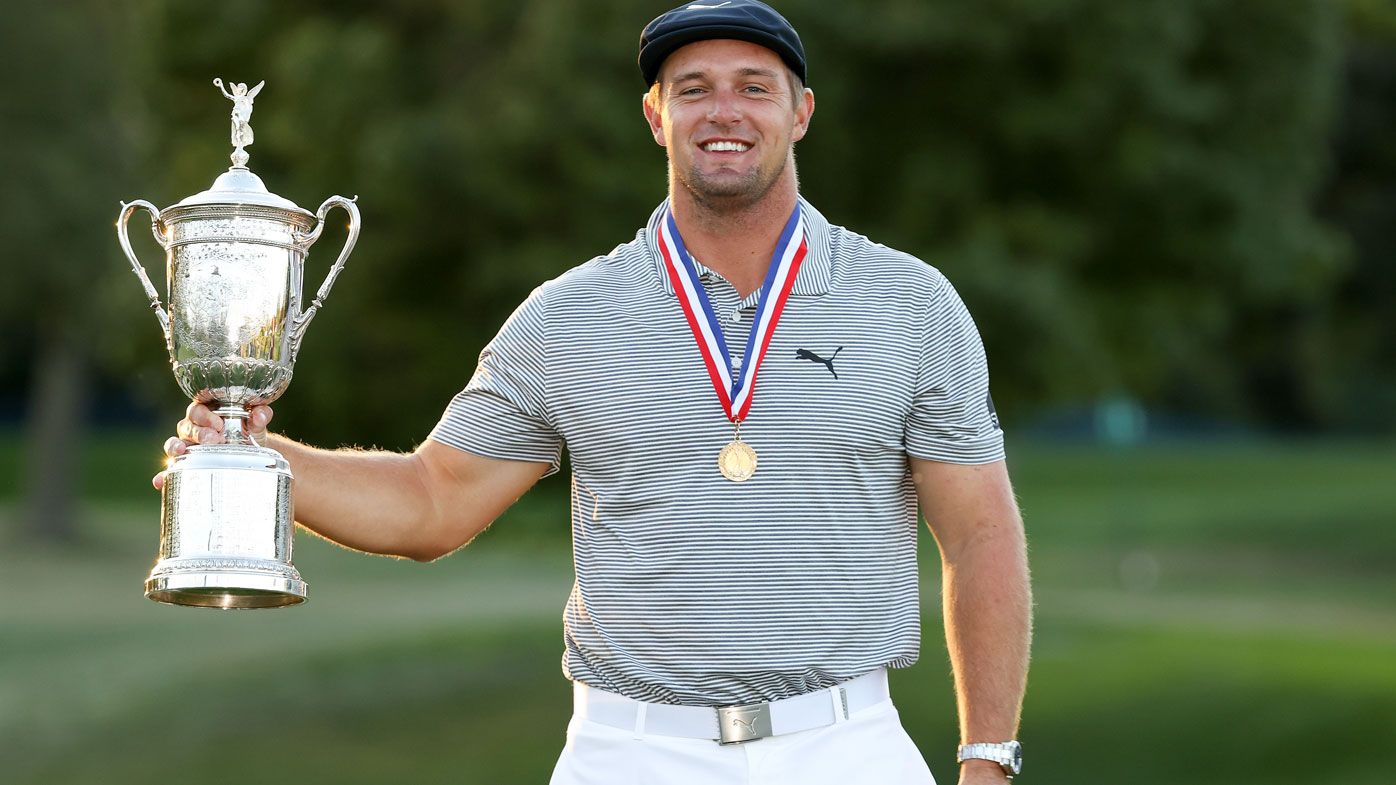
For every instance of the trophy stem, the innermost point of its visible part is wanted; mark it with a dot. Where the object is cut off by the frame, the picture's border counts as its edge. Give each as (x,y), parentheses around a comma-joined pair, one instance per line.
(235,417)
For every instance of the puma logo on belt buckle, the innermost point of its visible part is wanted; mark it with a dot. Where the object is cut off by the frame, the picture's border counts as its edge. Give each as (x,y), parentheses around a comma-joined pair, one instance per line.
(736,724)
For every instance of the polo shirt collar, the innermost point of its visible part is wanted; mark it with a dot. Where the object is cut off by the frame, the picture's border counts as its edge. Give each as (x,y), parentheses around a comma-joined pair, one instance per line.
(815,270)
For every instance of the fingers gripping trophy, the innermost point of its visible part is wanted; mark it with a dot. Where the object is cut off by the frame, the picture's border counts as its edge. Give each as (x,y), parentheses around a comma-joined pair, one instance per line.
(234,260)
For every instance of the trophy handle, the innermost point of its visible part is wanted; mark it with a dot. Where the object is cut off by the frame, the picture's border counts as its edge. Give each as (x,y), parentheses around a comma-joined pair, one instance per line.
(303,320)
(127,210)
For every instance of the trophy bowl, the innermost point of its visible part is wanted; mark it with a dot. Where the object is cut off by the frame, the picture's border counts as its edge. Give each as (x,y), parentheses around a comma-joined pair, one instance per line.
(234,266)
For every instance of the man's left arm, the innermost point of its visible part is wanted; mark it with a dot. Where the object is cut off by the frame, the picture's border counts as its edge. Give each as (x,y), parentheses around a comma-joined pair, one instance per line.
(987,597)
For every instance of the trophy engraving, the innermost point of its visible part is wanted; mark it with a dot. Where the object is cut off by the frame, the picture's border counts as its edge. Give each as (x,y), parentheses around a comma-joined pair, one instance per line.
(233,324)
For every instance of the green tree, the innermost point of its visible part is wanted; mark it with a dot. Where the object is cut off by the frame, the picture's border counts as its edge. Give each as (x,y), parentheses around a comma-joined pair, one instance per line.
(1358,374)
(69,131)
(1122,191)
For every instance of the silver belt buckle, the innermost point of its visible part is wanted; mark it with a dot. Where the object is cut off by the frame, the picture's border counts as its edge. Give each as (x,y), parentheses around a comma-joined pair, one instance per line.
(737,724)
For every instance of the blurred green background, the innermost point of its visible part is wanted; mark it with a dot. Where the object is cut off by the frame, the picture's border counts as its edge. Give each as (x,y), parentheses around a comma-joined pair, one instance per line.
(1172,221)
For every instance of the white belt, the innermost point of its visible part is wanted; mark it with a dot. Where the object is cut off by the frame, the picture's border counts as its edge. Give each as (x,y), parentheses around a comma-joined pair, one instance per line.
(733,724)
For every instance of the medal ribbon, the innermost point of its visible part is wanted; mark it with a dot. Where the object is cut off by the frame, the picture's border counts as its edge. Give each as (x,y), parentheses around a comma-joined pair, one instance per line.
(734,392)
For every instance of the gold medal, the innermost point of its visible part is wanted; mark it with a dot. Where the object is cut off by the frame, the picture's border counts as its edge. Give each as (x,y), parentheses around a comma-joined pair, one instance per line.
(737,461)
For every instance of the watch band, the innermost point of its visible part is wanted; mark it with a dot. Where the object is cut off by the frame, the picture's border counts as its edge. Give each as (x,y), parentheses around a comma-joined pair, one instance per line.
(1007,754)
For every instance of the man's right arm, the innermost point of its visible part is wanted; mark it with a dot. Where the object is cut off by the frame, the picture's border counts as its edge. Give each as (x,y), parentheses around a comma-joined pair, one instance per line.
(421,505)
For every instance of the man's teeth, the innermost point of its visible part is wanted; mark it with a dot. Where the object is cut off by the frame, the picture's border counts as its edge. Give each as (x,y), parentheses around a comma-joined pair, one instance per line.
(726,147)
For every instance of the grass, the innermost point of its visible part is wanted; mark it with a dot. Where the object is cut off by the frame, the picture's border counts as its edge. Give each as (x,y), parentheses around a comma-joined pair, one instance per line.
(1219,614)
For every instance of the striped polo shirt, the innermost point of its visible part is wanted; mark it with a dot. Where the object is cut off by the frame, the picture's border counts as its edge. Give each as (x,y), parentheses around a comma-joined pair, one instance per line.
(690,588)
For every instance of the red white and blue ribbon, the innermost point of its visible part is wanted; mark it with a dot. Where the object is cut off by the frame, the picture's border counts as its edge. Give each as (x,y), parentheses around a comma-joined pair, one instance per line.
(734,391)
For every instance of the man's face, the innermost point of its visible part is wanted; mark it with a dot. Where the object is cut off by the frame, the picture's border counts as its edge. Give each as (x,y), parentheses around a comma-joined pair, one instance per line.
(728,118)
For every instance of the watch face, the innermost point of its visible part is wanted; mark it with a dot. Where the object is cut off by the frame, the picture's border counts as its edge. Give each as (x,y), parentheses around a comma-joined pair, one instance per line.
(1017,763)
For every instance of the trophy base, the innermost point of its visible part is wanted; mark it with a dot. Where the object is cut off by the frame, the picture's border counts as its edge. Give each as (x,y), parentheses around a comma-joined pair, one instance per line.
(225,589)
(226,529)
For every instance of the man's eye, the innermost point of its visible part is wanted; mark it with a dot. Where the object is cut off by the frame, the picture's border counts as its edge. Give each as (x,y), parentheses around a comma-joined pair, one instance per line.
(755,88)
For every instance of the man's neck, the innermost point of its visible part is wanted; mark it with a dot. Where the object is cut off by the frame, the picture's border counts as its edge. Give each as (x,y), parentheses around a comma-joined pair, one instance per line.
(737,243)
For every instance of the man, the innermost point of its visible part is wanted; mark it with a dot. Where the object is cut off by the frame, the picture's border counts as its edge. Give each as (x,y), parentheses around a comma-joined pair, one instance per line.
(745,556)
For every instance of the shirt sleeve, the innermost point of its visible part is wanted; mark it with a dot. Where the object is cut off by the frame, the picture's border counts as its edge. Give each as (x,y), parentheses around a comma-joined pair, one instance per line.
(952,417)
(502,412)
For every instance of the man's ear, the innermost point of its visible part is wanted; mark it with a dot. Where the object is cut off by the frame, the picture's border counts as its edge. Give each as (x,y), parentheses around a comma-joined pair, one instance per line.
(804,110)
(649,103)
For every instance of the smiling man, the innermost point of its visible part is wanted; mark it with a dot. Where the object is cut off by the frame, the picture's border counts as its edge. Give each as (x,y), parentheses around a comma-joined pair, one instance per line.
(745,554)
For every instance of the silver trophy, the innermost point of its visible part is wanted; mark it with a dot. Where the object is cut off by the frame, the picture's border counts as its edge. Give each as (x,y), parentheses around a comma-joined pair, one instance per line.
(234,258)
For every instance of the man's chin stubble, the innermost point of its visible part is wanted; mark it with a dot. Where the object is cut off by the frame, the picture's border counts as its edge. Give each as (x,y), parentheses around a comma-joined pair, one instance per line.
(730,196)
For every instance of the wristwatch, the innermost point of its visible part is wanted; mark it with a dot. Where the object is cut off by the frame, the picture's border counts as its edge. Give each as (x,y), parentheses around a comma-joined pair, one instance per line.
(1008,754)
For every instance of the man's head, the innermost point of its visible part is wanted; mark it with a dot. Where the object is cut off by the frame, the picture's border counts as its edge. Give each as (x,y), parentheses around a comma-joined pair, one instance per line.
(727,99)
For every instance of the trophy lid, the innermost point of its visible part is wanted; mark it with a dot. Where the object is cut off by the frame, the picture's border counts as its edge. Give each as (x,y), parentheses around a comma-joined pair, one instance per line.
(239,185)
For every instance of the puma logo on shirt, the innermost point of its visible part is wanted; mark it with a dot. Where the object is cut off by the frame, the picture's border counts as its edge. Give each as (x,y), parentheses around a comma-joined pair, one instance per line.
(806,354)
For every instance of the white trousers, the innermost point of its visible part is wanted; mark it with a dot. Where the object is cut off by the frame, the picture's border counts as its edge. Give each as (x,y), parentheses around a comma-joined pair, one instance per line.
(869,747)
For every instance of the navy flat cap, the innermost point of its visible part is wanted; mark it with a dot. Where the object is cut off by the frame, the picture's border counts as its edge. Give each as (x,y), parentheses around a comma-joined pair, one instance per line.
(744,20)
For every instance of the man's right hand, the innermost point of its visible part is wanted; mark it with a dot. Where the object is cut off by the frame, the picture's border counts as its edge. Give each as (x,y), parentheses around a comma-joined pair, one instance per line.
(201,426)
(421,505)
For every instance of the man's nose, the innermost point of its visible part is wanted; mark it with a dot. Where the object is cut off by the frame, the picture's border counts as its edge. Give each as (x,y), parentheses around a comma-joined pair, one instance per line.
(725,108)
